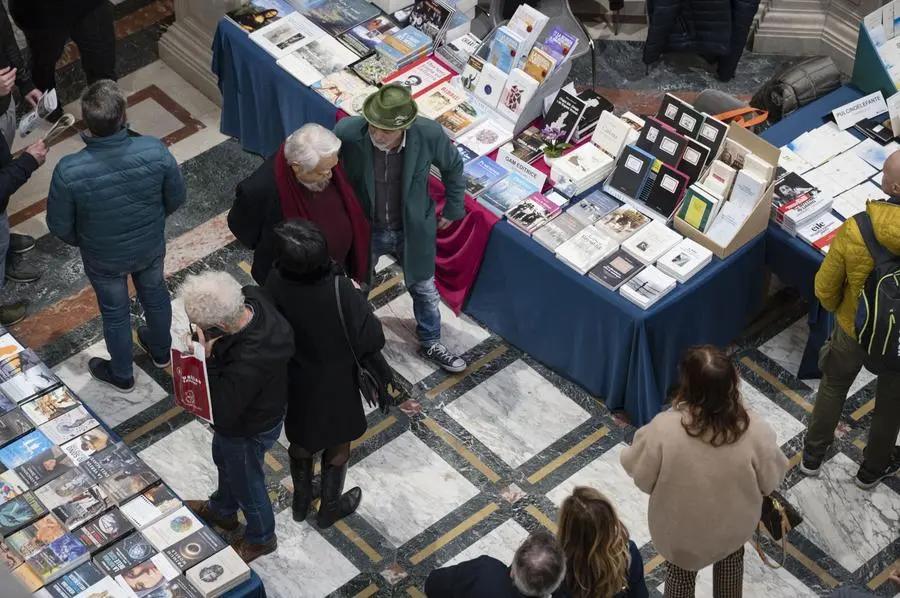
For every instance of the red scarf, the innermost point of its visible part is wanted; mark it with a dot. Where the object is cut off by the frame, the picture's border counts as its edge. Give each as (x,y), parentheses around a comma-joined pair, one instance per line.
(293,206)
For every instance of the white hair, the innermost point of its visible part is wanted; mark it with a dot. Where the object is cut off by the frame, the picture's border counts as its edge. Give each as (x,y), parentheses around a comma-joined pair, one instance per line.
(212,298)
(309,144)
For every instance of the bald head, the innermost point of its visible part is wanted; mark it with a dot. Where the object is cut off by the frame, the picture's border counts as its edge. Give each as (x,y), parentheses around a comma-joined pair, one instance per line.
(890,182)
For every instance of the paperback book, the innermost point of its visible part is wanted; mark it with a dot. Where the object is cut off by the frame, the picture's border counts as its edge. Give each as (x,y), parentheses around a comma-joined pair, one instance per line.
(14,424)
(712,134)
(337,16)
(669,109)
(793,199)
(465,154)
(24,376)
(51,405)
(120,472)
(481,174)
(649,135)
(720,178)
(20,512)
(44,467)
(647,287)
(195,548)
(420,76)
(667,190)
(219,573)
(150,506)
(470,73)
(693,160)
(149,577)
(581,169)
(104,531)
(506,194)
(564,113)
(528,145)
(431,17)
(820,232)
(517,92)
(669,147)
(621,223)
(404,46)
(489,84)
(557,231)
(89,443)
(369,34)
(733,154)
(631,172)
(9,557)
(457,52)
(505,46)
(651,242)
(615,269)
(533,213)
(684,260)
(539,64)
(32,539)
(105,588)
(24,449)
(442,98)
(699,207)
(258,13)
(594,106)
(172,528)
(11,486)
(689,121)
(73,497)
(373,70)
(345,90)
(560,42)
(611,134)
(285,35)
(70,424)
(61,556)
(27,576)
(528,22)
(76,582)
(583,251)
(317,59)
(485,137)
(125,554)
(593,207)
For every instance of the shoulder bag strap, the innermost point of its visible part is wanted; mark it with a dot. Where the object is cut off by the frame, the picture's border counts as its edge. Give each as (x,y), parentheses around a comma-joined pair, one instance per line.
(340,309)
(784,532)
(876,249)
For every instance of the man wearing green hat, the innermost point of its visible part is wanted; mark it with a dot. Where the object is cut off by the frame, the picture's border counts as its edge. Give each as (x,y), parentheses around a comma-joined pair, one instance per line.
(387,155)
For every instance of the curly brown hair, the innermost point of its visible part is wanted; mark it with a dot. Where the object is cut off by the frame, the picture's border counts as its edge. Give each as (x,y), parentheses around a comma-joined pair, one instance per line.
(710,394)
(595,542)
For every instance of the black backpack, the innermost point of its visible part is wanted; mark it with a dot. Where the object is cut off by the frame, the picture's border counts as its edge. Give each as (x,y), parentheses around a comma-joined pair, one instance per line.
(878,311)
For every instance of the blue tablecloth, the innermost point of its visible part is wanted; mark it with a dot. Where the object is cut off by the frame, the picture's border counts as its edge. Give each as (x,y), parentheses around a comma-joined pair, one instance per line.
(793,261)
(595,337)
(261,103)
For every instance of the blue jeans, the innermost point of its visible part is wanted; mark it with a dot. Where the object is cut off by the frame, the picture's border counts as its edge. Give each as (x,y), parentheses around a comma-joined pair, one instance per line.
(111,287)
(242,482)
(425,296)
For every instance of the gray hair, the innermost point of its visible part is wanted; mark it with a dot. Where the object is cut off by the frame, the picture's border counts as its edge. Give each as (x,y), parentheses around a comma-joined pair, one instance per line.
(103,108)
(309,144)
(539,565)
(212,298)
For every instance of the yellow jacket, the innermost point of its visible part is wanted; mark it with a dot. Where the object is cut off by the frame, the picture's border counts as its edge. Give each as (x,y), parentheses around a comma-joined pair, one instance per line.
(843,273)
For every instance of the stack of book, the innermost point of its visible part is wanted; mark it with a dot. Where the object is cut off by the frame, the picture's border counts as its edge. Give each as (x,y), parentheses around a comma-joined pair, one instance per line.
(455,53)
(481,174)
(585,250)
(581,169)
(651,242)
(403,47)
(508,193)
(820,232)
(797,202)
(647,287)
(684,260)
(616,269)
(592,207)
(533,213)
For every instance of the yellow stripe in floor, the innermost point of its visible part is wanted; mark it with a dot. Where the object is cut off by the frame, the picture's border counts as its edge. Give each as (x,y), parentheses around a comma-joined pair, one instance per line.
(244,266)
(415,593)
(369,590)
(466,525)
(541,518)
(807,562)
(460,448)
(357,540)
(653,563)
(549,468)
(862,411)
(879,579)
(387,284)
(373,431)
(151,425)
(781,386)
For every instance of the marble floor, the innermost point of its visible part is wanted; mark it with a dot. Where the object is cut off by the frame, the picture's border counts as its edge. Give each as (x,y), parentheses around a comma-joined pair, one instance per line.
(469,464)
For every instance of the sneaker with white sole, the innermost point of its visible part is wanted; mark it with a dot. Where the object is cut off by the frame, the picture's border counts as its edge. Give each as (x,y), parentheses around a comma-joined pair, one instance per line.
(444,357)
(867,481)
(809,465)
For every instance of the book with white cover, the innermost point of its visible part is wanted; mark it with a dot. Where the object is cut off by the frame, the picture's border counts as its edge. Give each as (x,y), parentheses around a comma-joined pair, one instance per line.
(647,287)
(105,588)
(317,59)
(420,77)
(485,137)
(70,424)
(611,134)
(719,178)
(758,167)
(557,231)
(585,249)
(517,92)
(442,98)
(281,37)
(651,242)
(820,231)
(345,90)
(150,506)
(219,573)
(528,22)
(684,260)
(853,201)
(489,84)
(728,222)
(874,153)
(789,161)
(748,187)
(172,528)
(585,162)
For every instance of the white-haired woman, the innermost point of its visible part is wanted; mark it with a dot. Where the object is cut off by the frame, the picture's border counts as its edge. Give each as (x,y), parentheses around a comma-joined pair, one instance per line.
(302,180)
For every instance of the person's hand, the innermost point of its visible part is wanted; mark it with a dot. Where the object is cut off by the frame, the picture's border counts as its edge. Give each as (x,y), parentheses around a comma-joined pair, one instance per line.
(7,80)
(443,223)
(208,345)
(894,576)
(34,96)
(38,151)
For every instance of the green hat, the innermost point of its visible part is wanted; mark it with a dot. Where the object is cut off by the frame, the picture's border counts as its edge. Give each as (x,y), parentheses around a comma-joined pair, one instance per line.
(391,108)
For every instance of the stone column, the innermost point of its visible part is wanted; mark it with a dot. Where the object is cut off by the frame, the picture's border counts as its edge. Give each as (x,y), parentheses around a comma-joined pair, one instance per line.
(811,27)
(187,45)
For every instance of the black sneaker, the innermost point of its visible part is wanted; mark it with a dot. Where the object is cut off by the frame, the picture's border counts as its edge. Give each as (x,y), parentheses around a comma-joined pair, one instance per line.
(100,370)
(18,273)
(142,333)
(810,465)
(442,356)
(867,481)
(20,243)
(12,313)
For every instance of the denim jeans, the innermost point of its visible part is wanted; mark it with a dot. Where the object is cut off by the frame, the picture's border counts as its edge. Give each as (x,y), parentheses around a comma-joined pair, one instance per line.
(425,296)
(111,288)
(242,482)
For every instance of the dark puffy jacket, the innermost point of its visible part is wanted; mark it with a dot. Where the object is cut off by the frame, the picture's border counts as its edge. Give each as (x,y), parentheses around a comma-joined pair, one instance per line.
(111,199)
(714,29)
(49,14)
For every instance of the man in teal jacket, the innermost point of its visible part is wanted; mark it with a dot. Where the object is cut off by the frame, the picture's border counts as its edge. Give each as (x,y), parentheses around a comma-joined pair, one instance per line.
(387,155)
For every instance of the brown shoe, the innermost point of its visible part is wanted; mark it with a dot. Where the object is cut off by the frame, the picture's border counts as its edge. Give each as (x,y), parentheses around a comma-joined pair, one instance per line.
(202,510)
(250,552)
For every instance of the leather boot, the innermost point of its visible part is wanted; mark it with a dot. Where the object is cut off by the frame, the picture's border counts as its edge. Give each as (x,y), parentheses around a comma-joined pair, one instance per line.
(335,505)
(301,474)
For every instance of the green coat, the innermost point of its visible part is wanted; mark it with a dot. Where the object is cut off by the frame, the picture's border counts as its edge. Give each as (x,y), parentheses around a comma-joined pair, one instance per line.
(426,144)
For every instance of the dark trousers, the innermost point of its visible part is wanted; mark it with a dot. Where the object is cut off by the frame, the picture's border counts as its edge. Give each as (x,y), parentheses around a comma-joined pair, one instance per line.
(95,36)
(728,578)
(242,482)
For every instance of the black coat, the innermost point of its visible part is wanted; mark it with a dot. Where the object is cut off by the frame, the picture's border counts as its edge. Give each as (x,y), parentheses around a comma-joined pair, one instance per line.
(252,218)
(714,29)
(50,14)
(13,172)
(325,407)
(248,371)
(483,577)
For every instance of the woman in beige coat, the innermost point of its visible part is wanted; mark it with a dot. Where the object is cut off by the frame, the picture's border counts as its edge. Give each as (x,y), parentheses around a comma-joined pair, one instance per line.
(706,464)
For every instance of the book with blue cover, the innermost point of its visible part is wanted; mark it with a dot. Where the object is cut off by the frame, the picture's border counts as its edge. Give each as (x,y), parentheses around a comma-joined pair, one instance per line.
(61,556)
(465,153)
(336,16)
(505,48)
(508,193)
(592,207)
(24,449)
(76,582)
(631,172)
(399,47)
(559,43)
(481,174)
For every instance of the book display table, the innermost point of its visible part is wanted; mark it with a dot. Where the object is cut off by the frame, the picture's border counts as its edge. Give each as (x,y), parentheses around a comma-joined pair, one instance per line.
(597,338)
(791,259)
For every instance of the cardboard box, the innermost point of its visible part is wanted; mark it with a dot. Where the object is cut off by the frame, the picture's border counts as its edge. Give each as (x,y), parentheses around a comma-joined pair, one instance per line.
(758,220)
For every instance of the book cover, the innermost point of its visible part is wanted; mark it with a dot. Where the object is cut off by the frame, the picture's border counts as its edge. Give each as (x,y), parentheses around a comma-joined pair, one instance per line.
(74,583)
(9,557)
(51,405)
(403,44)
(504,48)
(24,376)
(528,145)
(698,207)
(44,467)
(345,90)
(733,154)
(790,191)
(557,231)
(89,443)
(528,22)
(35,537)
(507,193)
(531,214)
(6,404)
(669,147)
(586,162)
(20,512)
(669,109)
(649,135)
(337,16)
(485,137)
(564,113)
(373,31)
(456,53)
(594,106)
(373,69)
(59,557)
(105,588)
(225,569)
(758,167)
(465,153)
(647,287)
(667,190)
(195,549)
(14,424)
(539,64)
(684,260)
(325,56)
(285,35)
(489,84)
(149,577)
(27,576)
(120,472)
(611,134)
(70,424)
(258,13)
(104,530)
(583,251)
(689,121)
(631,171)
(123,555)
(24,449)
(720,178)
(420,76)
(431,17)
(73,497)
(517,92)
(481,174)
(560,42)
(150,506)
(651,242)
(593,207)
(615,269)
(820,232)
(172,528)
(712,134)
(621,223)
(457,121)
(470,73)
(748,188)
(11,486)
(694,159)
(442,98)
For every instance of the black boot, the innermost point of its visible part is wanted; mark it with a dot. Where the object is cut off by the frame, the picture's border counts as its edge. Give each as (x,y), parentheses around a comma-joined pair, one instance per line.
(301,474)
(335,505)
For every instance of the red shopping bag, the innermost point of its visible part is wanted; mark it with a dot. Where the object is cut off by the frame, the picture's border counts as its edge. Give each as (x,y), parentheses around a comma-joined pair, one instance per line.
(191,382)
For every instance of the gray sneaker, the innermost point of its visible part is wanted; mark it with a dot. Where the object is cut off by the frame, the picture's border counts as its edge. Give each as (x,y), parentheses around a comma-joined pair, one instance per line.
(442,356)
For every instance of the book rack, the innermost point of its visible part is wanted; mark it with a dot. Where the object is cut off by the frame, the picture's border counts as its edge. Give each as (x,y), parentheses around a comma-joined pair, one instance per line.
(869,72)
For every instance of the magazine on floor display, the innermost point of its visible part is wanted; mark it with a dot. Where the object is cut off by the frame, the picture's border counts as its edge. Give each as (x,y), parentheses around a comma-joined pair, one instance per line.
(120,472)
(8,344)
(345,90)
(336,16)
(317,59)
(123,555)
(485,137)
(621,223)
(67,426)
(105,530)
(14,424)
(73,583)
(11,486)
(219,573)
(24,449)
(49,406)
(20,512)
(684,260)
(615,269)
(259,13)
(73,497)
(35,537)
(24,376)
(557,231)
(420,76)
(61,556)
(172,528)
(647,287)
(583,251)
(44,467)
(91,442)
(150,506)
(148,578)
(280,38)
(373,69)
(195,549)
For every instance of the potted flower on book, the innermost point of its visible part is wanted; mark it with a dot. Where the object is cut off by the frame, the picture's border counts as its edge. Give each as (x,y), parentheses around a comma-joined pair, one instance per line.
(553,144)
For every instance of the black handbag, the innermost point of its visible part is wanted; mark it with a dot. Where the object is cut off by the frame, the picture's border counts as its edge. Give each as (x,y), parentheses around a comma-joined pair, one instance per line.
(368,384)
(778,518)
